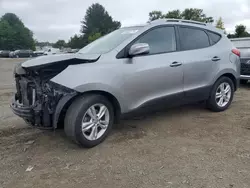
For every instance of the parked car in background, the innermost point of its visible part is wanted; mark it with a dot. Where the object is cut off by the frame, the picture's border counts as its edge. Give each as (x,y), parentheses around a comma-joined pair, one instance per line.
(38,53)
(23,53)
(12,54)
(4,53)
(243,44)
(69,50)
(162,63)
(74,50)
(52,51)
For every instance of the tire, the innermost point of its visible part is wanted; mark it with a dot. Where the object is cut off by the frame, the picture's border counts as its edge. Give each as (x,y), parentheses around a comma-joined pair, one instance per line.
(212,103)
(243,82)
(74,118)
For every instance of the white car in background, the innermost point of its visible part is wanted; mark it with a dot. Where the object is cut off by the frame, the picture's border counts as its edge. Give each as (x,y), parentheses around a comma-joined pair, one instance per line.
(52,51)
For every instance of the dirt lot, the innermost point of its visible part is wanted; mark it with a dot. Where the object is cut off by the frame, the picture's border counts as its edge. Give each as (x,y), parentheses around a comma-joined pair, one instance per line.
(182,147)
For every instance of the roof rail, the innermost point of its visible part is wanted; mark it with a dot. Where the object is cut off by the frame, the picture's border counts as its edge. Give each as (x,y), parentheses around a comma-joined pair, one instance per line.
(179,20)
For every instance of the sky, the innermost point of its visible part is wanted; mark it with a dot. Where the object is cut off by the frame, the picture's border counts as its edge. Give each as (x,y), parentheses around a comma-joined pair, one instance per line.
(51,20)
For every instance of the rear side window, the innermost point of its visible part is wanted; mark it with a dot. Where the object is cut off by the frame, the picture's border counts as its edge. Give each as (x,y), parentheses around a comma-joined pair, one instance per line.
(192,38)
(214,38)
(160,40)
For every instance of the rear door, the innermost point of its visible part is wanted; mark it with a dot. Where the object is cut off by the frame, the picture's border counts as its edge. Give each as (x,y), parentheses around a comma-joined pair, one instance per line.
(200,61)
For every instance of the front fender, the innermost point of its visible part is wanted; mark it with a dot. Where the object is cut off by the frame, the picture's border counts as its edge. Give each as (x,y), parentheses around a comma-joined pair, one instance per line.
(85,78)
(105,88)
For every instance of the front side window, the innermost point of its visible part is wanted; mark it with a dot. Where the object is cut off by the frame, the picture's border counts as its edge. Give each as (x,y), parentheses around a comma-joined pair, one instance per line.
(160,40)
(192,38)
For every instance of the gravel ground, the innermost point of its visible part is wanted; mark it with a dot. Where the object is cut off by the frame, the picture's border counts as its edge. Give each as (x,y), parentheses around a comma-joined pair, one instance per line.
(182,147)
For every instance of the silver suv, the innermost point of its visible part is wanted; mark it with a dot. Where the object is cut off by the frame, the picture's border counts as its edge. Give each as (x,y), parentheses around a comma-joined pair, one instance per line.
(162,63)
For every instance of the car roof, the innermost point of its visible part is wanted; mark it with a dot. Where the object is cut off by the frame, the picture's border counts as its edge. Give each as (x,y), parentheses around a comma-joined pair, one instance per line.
(192,23)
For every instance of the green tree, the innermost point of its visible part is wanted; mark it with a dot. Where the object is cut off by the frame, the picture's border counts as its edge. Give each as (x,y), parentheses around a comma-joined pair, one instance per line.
(94,37)
(60,44)
(240,31)
(173,14)
(220,24)
(97,20)
(155,15)
(188,14)
(6,36)
(196,15)
(76,42)
(42,44)
(14,35)
(230,35)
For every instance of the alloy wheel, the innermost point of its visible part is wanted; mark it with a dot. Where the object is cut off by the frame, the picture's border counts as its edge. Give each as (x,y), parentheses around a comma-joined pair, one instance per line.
(223,94)
(95,122)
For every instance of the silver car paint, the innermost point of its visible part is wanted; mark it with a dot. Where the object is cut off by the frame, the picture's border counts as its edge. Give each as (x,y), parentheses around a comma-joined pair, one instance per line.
(135,81)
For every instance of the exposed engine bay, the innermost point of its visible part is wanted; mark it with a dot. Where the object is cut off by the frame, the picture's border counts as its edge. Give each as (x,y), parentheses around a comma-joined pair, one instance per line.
(38,100)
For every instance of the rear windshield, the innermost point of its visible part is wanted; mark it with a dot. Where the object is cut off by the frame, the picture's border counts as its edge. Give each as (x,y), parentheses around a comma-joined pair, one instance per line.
(242,43)
(109,41)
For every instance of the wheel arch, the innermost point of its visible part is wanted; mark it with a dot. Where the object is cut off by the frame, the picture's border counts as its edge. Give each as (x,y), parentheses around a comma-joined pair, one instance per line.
(232,77)
(65,102)
(114,101)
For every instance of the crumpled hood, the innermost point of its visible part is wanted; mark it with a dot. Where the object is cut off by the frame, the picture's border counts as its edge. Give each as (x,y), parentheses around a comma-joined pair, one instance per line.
(50,59)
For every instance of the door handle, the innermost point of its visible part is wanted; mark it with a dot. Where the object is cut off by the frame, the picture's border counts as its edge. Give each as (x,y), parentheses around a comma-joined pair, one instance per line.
(215,58)
(175,64)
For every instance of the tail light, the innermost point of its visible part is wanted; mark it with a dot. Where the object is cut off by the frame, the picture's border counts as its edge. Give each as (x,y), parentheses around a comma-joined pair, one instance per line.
(236,52)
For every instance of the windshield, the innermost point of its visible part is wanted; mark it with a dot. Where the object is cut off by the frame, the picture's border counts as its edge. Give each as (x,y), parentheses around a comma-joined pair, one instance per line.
(109,41)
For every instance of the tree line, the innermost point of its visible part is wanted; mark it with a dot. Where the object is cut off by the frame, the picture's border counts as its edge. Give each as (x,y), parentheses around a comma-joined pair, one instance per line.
(14,35)
(96,23)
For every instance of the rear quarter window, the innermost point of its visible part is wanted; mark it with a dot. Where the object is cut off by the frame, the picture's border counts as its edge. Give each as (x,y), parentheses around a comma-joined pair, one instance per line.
(214,37)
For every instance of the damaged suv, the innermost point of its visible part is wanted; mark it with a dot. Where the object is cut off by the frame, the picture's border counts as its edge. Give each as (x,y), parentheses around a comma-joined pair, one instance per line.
(164,62)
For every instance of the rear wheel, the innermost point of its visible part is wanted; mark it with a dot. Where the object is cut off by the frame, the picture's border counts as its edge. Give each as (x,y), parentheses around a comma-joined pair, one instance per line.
(243,82)
(89,120)
(221,95)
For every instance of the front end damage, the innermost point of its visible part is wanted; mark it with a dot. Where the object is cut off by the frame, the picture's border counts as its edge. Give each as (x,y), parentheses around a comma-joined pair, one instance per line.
(38,100)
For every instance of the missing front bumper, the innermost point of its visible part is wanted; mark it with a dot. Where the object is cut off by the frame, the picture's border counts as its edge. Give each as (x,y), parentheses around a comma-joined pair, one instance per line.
(39,116)
(35,118)
(20,110)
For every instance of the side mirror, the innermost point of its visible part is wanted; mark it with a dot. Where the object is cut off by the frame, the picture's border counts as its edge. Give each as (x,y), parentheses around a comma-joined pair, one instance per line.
(139,49)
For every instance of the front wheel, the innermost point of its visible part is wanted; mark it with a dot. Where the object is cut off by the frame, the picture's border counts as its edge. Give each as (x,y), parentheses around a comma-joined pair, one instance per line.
(89,120)
(221,95)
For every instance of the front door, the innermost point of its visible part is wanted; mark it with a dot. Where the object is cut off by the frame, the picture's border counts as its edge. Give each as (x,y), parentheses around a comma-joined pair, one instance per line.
(158,76)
